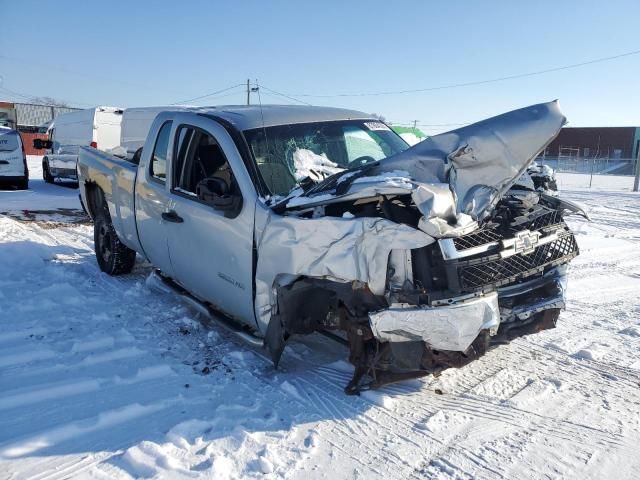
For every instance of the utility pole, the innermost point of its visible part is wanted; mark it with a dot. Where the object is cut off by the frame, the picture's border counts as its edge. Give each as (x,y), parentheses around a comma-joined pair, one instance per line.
(415,122)
(636,182)
(248,92)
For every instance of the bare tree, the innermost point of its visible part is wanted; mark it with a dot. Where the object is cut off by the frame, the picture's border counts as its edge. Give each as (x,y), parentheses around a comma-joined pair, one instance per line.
(379,117)
(49,101)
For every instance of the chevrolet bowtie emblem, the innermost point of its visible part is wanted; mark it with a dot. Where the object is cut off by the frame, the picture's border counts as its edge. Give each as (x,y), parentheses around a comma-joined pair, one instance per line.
(526,241)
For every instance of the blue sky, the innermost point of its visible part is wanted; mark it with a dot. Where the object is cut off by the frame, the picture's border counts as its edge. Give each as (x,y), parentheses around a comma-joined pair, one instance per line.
(135,53)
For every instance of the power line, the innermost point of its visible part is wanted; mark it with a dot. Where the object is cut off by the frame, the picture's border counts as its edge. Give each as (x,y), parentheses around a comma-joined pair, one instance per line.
(208,94)
(277,98)
(285,96)
(478,82)
(33,98)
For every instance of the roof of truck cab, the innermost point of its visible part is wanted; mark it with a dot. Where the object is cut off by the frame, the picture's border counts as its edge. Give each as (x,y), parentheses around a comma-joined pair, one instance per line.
(246,117)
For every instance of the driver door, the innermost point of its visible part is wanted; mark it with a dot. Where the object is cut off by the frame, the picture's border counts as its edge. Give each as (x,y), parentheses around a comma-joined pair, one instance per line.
(211,242)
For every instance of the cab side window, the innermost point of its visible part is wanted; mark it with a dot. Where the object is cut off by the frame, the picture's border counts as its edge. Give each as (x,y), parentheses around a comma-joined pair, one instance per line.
(199,157)
(158,165)
(202,171)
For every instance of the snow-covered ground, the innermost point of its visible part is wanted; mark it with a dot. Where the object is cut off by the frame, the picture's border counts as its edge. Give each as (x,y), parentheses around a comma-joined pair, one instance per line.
(104,378)
(568,181)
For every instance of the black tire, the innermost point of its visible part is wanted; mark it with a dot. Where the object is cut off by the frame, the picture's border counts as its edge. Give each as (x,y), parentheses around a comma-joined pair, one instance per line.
(114,257)
(46,175)
(23,184)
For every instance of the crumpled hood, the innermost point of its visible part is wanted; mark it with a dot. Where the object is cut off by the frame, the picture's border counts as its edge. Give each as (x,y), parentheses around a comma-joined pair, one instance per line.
(478,163)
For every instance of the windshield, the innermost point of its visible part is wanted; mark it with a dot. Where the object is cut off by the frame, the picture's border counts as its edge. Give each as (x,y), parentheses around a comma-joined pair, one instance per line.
(290,153)
(9,140)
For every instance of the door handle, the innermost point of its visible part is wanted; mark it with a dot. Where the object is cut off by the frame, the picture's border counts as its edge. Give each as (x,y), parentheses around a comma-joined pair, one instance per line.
(172,216)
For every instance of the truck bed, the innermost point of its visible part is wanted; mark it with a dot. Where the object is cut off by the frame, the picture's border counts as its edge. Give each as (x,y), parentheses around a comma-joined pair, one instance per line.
(116,177)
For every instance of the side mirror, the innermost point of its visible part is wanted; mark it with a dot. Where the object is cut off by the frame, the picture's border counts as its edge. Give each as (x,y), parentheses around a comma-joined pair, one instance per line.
(40,144)
(215,192)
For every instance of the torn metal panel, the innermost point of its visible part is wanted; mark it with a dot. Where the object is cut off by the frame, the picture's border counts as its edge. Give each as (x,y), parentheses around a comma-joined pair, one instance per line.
(568,205)
(440,228)
(344,250)
(400,269)
(435,200)
(448,327)
(481,161)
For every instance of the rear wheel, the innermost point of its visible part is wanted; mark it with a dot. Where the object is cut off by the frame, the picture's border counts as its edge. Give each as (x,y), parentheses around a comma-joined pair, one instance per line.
(114,257)
(46,174)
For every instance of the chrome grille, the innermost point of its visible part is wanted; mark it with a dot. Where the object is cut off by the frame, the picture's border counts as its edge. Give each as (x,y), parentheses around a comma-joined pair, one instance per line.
(476,239)
(490,271)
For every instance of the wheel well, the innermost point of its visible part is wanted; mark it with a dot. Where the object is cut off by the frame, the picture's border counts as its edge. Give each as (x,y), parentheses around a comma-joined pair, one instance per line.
(95,199)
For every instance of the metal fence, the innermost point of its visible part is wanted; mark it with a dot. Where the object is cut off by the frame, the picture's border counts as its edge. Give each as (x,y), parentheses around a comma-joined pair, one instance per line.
(596,173)
(591,166)
(33,115)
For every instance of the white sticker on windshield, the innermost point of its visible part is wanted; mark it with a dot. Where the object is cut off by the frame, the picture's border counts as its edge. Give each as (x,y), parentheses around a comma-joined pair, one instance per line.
(376,126)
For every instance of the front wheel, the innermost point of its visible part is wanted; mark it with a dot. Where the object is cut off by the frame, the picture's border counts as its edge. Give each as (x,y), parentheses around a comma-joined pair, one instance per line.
(46,174)
(114,257)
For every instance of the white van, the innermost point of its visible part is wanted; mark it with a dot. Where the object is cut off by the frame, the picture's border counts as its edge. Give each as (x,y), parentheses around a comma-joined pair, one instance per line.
(13,161)
(95,127)
(136,123)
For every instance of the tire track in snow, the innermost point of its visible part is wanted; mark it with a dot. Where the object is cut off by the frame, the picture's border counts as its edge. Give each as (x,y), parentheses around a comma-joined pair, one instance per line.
(435,447)
(411,434)
(314,394)
(546,424)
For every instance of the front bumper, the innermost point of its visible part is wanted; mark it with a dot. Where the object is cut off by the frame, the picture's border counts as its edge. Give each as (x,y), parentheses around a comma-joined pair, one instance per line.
(449,327)
(455,326)
(69,173)
(417,340)
(13,178)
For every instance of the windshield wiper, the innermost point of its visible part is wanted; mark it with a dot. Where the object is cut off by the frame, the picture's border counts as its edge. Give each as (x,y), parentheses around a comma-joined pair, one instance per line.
(333,181)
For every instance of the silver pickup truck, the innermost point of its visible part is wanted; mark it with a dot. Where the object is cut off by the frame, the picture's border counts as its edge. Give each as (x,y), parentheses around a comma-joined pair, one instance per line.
(289,220)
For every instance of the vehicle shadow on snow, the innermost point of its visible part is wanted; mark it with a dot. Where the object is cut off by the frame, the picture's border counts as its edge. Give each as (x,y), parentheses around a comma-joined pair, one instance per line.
(223,392)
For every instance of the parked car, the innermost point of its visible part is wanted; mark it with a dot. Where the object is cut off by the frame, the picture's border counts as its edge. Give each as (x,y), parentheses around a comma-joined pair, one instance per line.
(95,127)
(291,220)
(13,161)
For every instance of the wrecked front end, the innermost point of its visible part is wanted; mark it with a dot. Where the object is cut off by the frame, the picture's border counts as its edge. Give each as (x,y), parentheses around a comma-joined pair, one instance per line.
(503,281)
(426,260)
